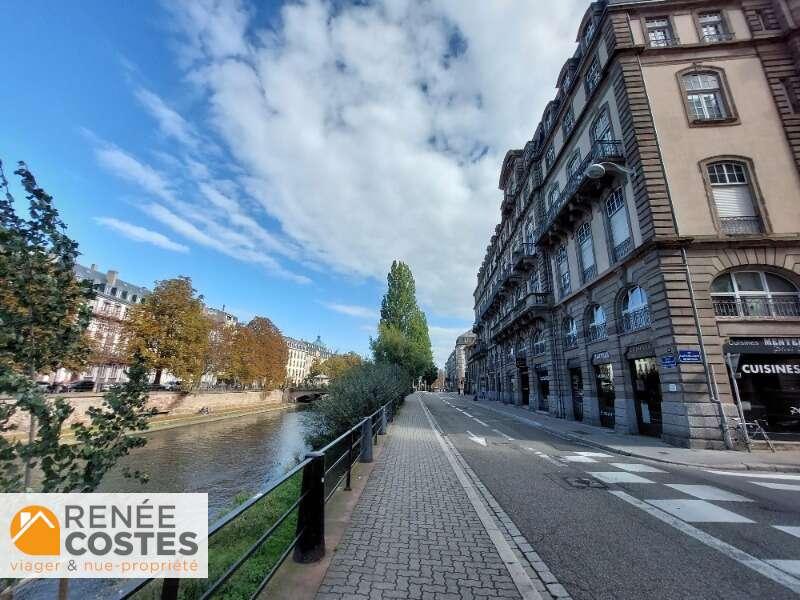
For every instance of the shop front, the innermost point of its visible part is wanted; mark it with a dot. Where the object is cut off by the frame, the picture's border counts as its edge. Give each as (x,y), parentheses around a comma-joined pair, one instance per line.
(646,388)
(542,387)
(576,384)
(524,380)
(765,374)
(604,384)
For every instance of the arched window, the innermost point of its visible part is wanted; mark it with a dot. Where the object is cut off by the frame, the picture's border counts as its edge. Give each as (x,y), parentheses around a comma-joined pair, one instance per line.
(570,328)
(733,197)
(601,128)
(705,97)
(564,279)
(538,344)
(552,196)
(754,294)
(583,238)
(597,325)
(635,310)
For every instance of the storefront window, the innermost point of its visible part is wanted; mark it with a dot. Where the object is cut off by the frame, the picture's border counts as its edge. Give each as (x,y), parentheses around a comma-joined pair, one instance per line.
(754,294)
(604,380)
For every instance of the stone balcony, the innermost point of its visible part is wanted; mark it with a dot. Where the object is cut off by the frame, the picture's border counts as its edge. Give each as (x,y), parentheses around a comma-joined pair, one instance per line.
(532,306)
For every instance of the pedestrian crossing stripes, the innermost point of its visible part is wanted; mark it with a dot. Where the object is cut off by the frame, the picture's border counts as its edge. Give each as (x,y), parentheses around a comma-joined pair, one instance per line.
(698,511)
(708,492)
(636,468)
(788,487)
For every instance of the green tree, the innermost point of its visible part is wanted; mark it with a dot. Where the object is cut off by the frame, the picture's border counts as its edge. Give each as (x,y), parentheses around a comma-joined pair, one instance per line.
(339,364)
(403,336)
(259,354)
(171,331)
(44,313)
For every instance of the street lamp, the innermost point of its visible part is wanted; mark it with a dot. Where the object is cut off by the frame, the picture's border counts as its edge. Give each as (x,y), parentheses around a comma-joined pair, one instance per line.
(600,170)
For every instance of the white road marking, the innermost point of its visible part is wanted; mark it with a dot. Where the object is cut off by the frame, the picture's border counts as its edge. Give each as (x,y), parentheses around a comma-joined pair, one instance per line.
(760,566)
(619,477)
(790,566)
(636,468)
(478,440)
(788,487)
(580,459)
(477,420)
(698,511)
(755,475)
(708,492)
(508,437)
(467,414)
(795,531)
(546,457)
(593,454)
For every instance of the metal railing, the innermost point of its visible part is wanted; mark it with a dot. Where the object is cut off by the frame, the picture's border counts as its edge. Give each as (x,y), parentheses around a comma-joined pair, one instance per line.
(758,306)
(711,38)
(666,42)
(741,225)
(622,250)
(322,475)
(597,332)
(633,320)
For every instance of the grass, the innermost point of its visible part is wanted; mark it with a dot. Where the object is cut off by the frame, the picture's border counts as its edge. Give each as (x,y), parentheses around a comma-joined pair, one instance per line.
(235,539)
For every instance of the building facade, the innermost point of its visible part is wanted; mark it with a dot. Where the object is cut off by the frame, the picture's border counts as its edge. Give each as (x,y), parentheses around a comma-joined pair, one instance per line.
(302,355)
(645,272)
(450,372)
(464,344)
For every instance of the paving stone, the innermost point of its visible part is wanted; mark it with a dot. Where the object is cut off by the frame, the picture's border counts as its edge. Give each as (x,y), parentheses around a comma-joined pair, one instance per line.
(415,519)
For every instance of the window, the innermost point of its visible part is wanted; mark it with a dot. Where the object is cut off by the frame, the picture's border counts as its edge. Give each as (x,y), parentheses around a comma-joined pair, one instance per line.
(586,251)
(788,86)
(124,295)
(659,32)
(550,157)
(570,333)
(621,243)
(538,345)
(705,99)
(754,294)
(588,33)
(552,196)
(635,310)
(597,325)
(569,121)
(574,163)
(601,128)
(733,198)
(712,27)
(564,282)
(593,75)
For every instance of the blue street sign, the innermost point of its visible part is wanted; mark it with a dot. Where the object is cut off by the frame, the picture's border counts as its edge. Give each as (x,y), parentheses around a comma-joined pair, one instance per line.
(668,362)
(690,356)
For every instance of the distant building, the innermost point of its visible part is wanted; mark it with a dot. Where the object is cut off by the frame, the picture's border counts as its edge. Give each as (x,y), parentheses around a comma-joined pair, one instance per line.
(450,372)
(110,308)
(464,344)
(220,316)
(301,356)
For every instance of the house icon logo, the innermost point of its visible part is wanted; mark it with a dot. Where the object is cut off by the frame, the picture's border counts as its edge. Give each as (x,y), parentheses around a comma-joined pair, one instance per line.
(35,530)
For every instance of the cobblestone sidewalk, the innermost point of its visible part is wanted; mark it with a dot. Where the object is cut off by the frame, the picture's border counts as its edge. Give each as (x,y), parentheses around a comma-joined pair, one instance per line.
(414,533)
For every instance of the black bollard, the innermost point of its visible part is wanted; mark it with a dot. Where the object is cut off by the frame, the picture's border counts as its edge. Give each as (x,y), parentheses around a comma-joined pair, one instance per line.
(366,441)
(311,512)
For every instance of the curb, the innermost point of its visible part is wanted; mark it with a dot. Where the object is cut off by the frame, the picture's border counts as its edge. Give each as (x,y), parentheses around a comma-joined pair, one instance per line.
(591,444)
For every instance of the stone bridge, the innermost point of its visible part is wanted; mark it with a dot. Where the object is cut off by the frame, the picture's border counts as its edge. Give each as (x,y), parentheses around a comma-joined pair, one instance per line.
(305,396)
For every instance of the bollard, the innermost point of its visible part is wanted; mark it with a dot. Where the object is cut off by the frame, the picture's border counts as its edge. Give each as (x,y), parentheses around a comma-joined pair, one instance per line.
(391,412)
(366,441)
(382,422)
(311,512)
(169,589)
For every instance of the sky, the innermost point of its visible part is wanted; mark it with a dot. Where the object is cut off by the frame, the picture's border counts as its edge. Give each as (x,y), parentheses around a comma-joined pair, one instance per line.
(283,154)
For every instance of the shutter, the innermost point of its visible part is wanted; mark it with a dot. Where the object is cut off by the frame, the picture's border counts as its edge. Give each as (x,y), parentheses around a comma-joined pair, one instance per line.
(734,201)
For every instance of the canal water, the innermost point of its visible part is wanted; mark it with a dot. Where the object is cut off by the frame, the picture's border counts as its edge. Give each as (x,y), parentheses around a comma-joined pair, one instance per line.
(224,459)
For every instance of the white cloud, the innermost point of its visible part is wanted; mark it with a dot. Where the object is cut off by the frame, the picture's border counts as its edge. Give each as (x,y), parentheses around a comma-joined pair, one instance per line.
(375,132)
(132,170)
(141,234)
(443,342)
(351,310)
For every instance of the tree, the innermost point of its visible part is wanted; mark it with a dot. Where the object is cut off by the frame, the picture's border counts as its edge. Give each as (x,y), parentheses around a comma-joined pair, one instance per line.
(44,313)
(170,331)
(259,354)
(339,364)
(403,336)
(220,356)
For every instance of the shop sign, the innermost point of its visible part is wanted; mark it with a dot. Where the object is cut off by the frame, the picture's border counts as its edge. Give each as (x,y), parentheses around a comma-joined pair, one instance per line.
(770,345)
(668,362)
(774,369)
(601,357)
(640,350)
(690,356)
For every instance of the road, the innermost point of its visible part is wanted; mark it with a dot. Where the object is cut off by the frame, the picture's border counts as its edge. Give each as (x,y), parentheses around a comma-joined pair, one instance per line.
(613,527)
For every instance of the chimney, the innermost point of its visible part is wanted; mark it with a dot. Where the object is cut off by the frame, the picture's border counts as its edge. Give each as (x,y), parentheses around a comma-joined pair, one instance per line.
(111,278)
(94,267)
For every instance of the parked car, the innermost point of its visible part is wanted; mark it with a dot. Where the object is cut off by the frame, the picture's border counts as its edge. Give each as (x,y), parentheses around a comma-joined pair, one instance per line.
(174,386)
(157,387)
(82,385)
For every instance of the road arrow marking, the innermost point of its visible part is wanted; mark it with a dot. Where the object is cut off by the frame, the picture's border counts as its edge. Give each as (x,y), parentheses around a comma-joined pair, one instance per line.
(476,439)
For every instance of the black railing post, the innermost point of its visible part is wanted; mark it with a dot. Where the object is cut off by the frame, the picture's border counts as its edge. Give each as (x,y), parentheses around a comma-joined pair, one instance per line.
(347,487)
(391,412)
(169,589)
(382,421)
(366,441)
(311,512)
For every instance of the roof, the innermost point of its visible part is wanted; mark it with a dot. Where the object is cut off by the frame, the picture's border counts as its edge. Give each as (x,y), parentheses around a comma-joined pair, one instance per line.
(98,277)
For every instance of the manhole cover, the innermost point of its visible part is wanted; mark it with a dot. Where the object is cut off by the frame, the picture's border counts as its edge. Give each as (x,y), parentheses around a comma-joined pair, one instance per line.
(584,483)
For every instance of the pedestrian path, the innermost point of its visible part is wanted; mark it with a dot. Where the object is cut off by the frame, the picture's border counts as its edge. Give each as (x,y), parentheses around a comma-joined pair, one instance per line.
(415,532)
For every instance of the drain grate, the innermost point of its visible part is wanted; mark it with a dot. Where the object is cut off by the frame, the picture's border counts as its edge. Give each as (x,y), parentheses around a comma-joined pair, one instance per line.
(585,483)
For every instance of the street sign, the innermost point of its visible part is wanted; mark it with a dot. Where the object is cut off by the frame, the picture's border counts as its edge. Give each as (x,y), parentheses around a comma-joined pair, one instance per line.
(668,362)
(689,356)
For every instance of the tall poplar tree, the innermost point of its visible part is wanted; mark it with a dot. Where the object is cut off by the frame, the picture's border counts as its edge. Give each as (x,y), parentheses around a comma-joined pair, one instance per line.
(403,336)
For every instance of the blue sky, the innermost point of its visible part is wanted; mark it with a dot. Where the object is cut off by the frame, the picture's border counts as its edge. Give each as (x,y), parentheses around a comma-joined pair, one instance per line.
(281,155)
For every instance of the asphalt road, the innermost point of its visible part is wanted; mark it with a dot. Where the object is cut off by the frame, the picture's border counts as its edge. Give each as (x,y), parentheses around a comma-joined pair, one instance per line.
(613,527)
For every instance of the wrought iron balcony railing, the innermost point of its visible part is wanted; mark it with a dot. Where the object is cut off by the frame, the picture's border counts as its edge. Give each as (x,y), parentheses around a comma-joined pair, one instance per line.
(666,42)
(633,320)
(758,307)
(597,332)
(741,225)
(711,38)
(622,249)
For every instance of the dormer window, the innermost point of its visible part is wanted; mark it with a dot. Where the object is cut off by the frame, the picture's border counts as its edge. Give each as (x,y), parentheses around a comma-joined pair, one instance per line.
(593,75)
(550,157)
(588,33)
(569,121)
